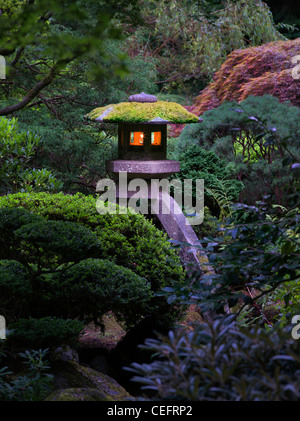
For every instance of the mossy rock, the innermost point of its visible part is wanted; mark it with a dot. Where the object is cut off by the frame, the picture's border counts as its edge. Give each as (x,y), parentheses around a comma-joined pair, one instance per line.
(136,112)
(64,353)
(78,394)
(70,375)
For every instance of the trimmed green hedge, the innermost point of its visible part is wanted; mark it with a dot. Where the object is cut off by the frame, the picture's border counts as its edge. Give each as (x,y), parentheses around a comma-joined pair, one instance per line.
(123,259)
(66,241)
(15,288)
(94,286)
(54,272)
(128,240)
(45,332)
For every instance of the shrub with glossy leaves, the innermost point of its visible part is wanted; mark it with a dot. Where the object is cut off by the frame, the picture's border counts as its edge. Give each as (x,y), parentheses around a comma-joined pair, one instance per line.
(17,150)
(33,383)
(220,362)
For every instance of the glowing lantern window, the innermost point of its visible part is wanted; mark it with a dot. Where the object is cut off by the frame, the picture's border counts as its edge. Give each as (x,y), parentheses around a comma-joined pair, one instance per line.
(156,138)
(142,142)
(136,138)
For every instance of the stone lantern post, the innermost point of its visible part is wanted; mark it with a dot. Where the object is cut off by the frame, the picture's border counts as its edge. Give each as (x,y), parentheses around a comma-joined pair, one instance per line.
(142,153)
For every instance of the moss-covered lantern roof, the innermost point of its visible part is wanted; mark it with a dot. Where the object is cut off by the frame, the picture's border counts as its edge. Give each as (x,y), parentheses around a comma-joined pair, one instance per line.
(143,108)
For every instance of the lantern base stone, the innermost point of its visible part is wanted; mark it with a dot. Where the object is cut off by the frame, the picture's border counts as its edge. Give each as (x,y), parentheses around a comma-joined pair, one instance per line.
(174,222)
(161,168)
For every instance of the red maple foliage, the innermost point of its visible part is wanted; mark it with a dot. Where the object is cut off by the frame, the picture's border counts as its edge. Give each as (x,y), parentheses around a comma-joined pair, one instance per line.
(257,71)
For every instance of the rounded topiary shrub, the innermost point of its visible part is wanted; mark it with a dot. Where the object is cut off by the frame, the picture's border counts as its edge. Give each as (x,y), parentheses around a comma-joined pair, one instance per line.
(15,289)
(45,332)
(93,286)
(67,241)
(10,220)
(126,239)
(72,230)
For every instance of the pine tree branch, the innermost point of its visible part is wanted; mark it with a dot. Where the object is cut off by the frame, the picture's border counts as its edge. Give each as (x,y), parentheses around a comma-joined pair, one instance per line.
(17,56)
(35,90)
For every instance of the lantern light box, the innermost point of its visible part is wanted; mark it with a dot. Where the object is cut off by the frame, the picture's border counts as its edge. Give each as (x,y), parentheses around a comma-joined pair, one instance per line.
(142,134)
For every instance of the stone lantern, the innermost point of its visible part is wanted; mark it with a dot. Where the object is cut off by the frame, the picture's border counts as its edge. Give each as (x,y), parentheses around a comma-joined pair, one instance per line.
(142,152)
